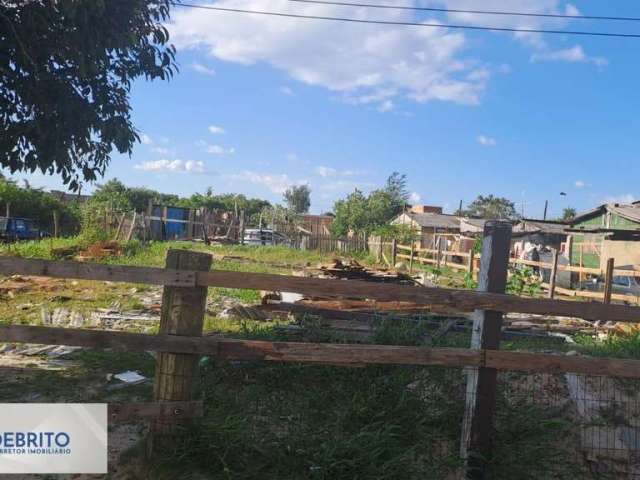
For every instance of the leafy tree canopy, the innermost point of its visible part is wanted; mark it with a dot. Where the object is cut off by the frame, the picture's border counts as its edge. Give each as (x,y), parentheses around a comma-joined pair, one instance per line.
(66,69)
(298,198)
(359,213)
(568,214)
(490,207)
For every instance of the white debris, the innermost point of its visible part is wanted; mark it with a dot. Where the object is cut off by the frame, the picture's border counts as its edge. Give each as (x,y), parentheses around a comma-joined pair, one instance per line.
(130,377)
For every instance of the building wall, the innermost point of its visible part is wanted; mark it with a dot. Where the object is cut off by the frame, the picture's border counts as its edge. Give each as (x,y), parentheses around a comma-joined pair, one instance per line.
(624,251)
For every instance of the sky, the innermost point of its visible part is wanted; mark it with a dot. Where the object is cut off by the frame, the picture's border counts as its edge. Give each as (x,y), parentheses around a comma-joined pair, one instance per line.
(264,103)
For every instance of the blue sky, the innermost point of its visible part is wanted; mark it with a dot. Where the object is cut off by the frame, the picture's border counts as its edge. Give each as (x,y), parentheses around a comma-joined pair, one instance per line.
(264,103)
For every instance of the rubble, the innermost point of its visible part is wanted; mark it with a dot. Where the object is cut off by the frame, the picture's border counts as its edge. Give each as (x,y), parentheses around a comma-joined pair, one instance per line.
(352,270)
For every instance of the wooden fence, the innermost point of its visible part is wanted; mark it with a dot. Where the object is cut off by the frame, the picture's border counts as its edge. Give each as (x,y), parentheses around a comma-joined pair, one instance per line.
(328,243)
(180,342)
(469,262)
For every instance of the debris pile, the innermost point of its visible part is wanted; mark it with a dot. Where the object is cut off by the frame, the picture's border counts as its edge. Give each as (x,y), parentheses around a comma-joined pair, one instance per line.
(352,270)
(100,250)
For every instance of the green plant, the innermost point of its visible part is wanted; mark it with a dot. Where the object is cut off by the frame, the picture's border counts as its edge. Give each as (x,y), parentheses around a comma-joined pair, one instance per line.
(469,282)
(523,281)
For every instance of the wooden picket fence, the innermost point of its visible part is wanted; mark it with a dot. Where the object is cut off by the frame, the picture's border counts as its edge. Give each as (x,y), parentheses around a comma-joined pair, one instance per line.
(180,343)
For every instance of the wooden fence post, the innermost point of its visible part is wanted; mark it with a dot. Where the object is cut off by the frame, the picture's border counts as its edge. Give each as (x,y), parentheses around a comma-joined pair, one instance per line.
(477,427)
(554,272)
(183,310)
(411,258)
(608,281)
(394,252)
(471,263)
(56,223)
(439,254)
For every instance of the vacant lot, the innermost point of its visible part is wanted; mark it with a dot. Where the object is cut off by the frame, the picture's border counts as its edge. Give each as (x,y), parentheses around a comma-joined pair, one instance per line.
(298,421)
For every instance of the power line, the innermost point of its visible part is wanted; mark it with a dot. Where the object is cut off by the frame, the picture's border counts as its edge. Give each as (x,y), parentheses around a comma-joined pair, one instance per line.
(411,24)
(474,12)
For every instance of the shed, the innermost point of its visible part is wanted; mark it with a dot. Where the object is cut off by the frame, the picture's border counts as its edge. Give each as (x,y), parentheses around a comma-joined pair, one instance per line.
(611,230)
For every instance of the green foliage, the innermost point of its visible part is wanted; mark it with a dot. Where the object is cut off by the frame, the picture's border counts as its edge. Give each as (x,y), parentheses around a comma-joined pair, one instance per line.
(618,345)
(469,282)
(298,198)
(116,195)
(490,207)
(523,281)
(404,234)
(66,72)
(568,214)
(359,213)
(39,206)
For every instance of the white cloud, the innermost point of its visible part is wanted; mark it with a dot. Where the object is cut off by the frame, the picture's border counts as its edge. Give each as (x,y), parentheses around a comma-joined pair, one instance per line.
(329,172)
(275,182)
(414,197)
(200,68)
(580,184)
(573,54)
(191,166)
(219,150)
(624,198)
(486,141)
(216,130)
(357,61)
(146,139)
(386,106)
(286,90)
(161,150)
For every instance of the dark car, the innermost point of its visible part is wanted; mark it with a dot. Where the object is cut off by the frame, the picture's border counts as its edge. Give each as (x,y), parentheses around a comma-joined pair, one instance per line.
(622,284)
(13,228)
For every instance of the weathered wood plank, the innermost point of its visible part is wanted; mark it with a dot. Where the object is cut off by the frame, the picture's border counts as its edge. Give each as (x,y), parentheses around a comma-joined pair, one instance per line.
(335,354)
(548,363)
(96,271)
(458,300)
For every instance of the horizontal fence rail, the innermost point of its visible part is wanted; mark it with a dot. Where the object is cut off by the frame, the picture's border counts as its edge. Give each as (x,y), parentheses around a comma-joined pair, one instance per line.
(321,353)
(456,299)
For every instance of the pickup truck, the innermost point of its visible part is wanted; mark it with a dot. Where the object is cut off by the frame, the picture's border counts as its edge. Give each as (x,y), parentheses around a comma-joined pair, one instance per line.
(13,228)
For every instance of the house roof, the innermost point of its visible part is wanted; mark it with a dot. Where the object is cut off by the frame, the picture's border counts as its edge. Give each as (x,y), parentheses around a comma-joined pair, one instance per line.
(435,220)
(540,226)
(628,211)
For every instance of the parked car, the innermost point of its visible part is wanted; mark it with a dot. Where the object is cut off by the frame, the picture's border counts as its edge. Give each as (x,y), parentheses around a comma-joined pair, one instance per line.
(13,228)
(619,284)
(264,236)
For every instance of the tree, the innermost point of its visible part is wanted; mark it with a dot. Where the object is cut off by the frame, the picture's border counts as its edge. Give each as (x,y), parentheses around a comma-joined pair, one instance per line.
(351,214)
(298,198)
(568,214)
(490,207)
(396,187)
(66,69)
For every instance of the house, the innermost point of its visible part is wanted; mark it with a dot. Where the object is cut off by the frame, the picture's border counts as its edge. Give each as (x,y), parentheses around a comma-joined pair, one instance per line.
(611,230)
(545,233)
(430,223)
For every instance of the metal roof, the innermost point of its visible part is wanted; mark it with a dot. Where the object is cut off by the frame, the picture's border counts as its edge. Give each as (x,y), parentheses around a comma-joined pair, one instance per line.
(435,220)
(540,226)
(628,211)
